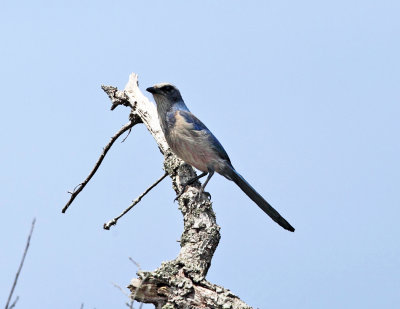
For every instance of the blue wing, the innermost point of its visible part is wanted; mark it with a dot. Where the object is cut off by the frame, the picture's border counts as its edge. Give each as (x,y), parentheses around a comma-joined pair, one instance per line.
(199,126)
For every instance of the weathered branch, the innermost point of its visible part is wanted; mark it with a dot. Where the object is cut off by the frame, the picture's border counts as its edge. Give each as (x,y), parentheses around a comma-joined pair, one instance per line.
(133,121)
(179,283)
(20,268)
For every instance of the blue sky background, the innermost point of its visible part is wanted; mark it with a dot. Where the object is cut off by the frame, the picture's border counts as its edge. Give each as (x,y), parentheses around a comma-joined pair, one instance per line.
(304,96)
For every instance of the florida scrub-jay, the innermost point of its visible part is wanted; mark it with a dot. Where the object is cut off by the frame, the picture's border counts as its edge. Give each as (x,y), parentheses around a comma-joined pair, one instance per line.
(191,141)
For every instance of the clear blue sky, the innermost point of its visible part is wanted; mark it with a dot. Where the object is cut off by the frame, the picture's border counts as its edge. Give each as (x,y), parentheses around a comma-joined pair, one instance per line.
(304,96)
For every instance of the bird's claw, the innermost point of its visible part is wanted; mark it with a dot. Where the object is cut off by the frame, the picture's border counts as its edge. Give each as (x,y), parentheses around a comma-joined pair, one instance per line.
(180,194)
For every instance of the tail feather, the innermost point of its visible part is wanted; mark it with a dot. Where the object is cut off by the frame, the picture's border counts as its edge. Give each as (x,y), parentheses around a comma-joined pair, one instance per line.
(258,199)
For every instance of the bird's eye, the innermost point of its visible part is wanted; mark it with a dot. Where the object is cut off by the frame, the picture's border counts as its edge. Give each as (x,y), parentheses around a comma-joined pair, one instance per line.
(168,88)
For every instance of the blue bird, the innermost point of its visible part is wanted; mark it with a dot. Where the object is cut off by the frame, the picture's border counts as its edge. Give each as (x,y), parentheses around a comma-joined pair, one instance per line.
(194,143)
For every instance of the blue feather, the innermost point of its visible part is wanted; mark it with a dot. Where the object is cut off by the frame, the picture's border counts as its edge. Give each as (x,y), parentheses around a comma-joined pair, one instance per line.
(199,126)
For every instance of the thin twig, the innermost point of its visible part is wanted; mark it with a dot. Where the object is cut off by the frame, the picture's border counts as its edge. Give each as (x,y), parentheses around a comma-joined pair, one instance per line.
(80,187)
(139,287)
(114,221)
(82,306)
(131,301)
(20,267)
(141,282)
(129,132)
(119,288)
(136,263)
(14,303)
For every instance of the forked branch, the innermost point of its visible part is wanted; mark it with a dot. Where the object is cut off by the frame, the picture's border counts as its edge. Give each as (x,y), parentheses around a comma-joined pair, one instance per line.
(179,283)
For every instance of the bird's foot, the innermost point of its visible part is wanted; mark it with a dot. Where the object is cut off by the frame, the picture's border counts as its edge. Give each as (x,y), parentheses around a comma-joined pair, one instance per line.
(208,195)
(178,196)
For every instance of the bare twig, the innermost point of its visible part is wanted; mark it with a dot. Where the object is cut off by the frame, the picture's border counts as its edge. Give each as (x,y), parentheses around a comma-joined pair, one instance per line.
(14,303)
(138,288)
(129,132)
(131,299)
(119,288)
(20,268)
(141,283)
(136,263)
(82,306)
(114,221)
(80,187)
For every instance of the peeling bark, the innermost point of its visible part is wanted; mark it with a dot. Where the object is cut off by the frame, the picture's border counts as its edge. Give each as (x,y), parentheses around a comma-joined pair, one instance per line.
(179,283)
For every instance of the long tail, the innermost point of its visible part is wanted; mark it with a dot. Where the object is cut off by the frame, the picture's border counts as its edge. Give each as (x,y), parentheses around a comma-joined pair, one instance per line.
(257,198)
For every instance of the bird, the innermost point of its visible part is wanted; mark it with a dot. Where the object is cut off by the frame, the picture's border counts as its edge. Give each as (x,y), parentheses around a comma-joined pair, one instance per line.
(195,144)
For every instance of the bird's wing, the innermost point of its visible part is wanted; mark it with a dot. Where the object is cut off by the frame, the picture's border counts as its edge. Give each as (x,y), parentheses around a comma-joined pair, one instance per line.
(198,127)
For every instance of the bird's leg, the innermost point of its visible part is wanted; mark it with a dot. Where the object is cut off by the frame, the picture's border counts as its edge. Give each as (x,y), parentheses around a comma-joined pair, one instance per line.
(190,182)
(210,174)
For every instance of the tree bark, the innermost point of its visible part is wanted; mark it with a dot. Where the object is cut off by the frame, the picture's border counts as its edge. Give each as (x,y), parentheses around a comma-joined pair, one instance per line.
(179,283)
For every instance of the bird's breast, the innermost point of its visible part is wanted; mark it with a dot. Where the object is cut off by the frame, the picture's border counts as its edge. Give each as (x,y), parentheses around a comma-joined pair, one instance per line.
(193,146)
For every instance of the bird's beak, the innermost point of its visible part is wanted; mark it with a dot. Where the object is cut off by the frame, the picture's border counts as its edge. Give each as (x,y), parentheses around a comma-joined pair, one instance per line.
(152,90)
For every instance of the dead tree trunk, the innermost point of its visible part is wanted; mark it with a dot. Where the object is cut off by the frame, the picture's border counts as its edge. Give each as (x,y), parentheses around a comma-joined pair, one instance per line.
(179,283)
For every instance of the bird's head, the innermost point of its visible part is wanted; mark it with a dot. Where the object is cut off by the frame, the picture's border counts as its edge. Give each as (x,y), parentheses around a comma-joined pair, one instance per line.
(165,92)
